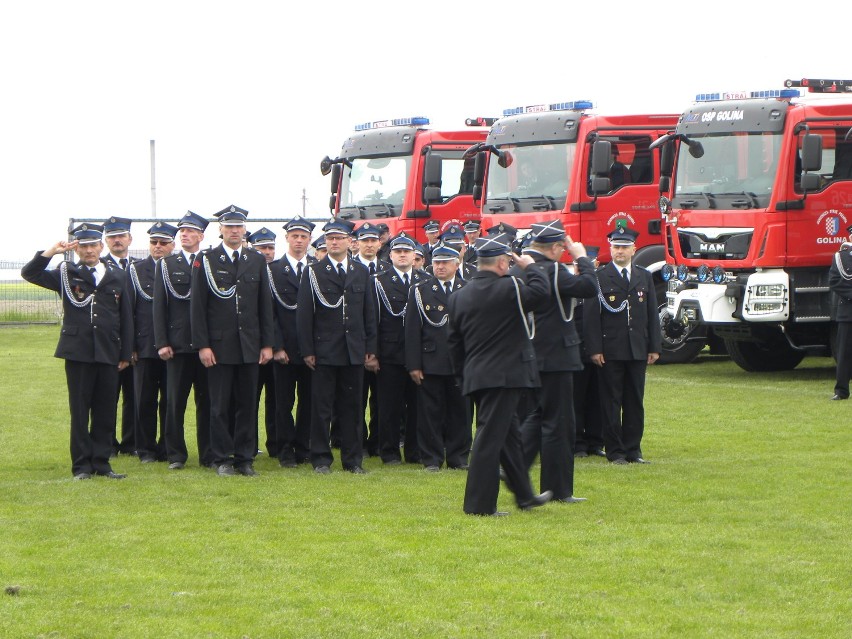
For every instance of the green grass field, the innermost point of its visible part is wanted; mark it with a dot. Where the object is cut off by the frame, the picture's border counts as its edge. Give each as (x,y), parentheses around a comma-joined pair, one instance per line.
(739,528)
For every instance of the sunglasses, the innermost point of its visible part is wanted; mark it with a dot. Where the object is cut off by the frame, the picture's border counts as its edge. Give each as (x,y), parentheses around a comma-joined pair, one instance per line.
(161,242)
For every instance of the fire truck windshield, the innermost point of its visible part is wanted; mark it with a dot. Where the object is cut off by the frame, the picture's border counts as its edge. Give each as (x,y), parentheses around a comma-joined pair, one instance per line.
(736,170)
(535,179)
(375,186)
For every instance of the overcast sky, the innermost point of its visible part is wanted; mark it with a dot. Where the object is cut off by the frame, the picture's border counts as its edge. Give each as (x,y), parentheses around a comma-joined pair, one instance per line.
(244,99)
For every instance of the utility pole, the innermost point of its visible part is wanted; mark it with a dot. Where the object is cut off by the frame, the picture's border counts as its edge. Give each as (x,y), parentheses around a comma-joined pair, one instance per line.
(153,184)
(304,202)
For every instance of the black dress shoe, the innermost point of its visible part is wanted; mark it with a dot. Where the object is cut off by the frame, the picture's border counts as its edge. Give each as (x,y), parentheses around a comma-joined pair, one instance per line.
(571,500)
(82,476)
(176,465)
(537,500)
(581,453)
(322,470)
(619,461)
(225,470)
(496,513)
(638,460)
(356,470)
(460,467)
(597,452)
(148,459)
(288,464)
(839,397)
(432,469)
(111,474)
(247,470)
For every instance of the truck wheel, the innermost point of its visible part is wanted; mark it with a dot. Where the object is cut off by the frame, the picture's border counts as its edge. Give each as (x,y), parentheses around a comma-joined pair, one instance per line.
(764,356)
(681,342)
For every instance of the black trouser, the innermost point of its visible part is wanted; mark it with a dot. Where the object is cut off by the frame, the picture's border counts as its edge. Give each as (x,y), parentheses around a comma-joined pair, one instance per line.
(397,407)
(549,429)
(443,422)
(185,372)
(91,395)
(844,359)
(336,390)
(266,380)
(293,436)
(150,400)
(587,410)
(622,391)
(497,443)
(235,383)
(127,444)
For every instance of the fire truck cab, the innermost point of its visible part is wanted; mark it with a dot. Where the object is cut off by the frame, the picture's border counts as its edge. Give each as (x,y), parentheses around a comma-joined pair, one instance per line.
(756,198)
(595,172)
(403,173)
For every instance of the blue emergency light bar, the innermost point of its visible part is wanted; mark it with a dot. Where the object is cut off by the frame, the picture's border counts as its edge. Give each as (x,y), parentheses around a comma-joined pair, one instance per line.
(381,124)
(783,94)
(576,105)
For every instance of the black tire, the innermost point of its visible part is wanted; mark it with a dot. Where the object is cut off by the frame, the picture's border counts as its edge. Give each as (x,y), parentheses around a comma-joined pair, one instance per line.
(683,348)
(764,356)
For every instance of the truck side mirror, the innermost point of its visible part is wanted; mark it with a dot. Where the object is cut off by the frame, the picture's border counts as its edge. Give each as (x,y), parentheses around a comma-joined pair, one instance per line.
(479,174)
(335,178)
(601,185)
(666,161)
(601,159)
(811,152)
(432,178)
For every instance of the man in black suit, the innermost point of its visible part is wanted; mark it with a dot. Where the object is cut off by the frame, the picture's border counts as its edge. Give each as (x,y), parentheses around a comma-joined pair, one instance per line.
(173,341)
(472,232)
(368,247)
(263,241)
(292,376)
(396,392)
(623,337)
(336,327)
(433,231)
(549,427)
(840,283)
(443,414)
(96,343)
(233,329)
(149,372)
(118,239)
(490,346)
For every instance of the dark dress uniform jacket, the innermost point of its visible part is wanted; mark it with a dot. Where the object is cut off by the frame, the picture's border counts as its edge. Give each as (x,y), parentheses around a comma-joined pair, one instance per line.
(336,336)
(635,331)
(238,327)
(391,331)
(557,343)
(285,292)
(426,347)
(99,333)
(841,287)
(171,307)
(488,343)
(143,306)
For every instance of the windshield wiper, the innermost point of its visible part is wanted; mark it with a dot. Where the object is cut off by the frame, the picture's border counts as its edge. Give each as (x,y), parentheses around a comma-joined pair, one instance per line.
(388,209)
(551,202)
(346,214)
(691,204)
(752,202)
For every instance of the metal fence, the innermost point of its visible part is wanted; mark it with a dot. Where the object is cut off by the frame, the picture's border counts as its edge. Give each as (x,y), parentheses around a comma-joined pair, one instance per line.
(25,303)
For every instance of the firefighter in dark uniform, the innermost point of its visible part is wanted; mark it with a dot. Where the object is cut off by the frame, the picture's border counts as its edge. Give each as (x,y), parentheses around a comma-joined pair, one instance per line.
(233,329)
(490,346)
(173,340)
(433,231)
(96,343)
(453,236)
(472,232)
(149,371)
(336,325)
(292,376)
(368,247)
(396,392)
(549,428)
(840,283)
(263,241)
(443,413)
(118,239)
(623,337)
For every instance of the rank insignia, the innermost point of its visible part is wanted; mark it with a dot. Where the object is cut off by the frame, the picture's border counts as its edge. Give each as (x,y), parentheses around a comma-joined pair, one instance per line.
(328,267)
(428,307)
(222,259)
(434,287)
(286,269)
(612,298)
(440,308)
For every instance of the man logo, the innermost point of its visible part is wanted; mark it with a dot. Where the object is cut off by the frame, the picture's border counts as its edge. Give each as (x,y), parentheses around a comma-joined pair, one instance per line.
(708,247)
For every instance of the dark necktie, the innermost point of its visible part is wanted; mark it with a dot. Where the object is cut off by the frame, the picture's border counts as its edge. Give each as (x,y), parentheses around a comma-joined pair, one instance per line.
(624,275)
(123,262)
(341,273)
(298,270)
(447,288)
(405,280)
(372,268)
(94,273)
(235,256)
(192,259)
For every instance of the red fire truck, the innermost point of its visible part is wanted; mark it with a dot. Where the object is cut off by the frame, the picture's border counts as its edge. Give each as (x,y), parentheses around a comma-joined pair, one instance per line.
(757,195)
(596,172)
(402,173)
